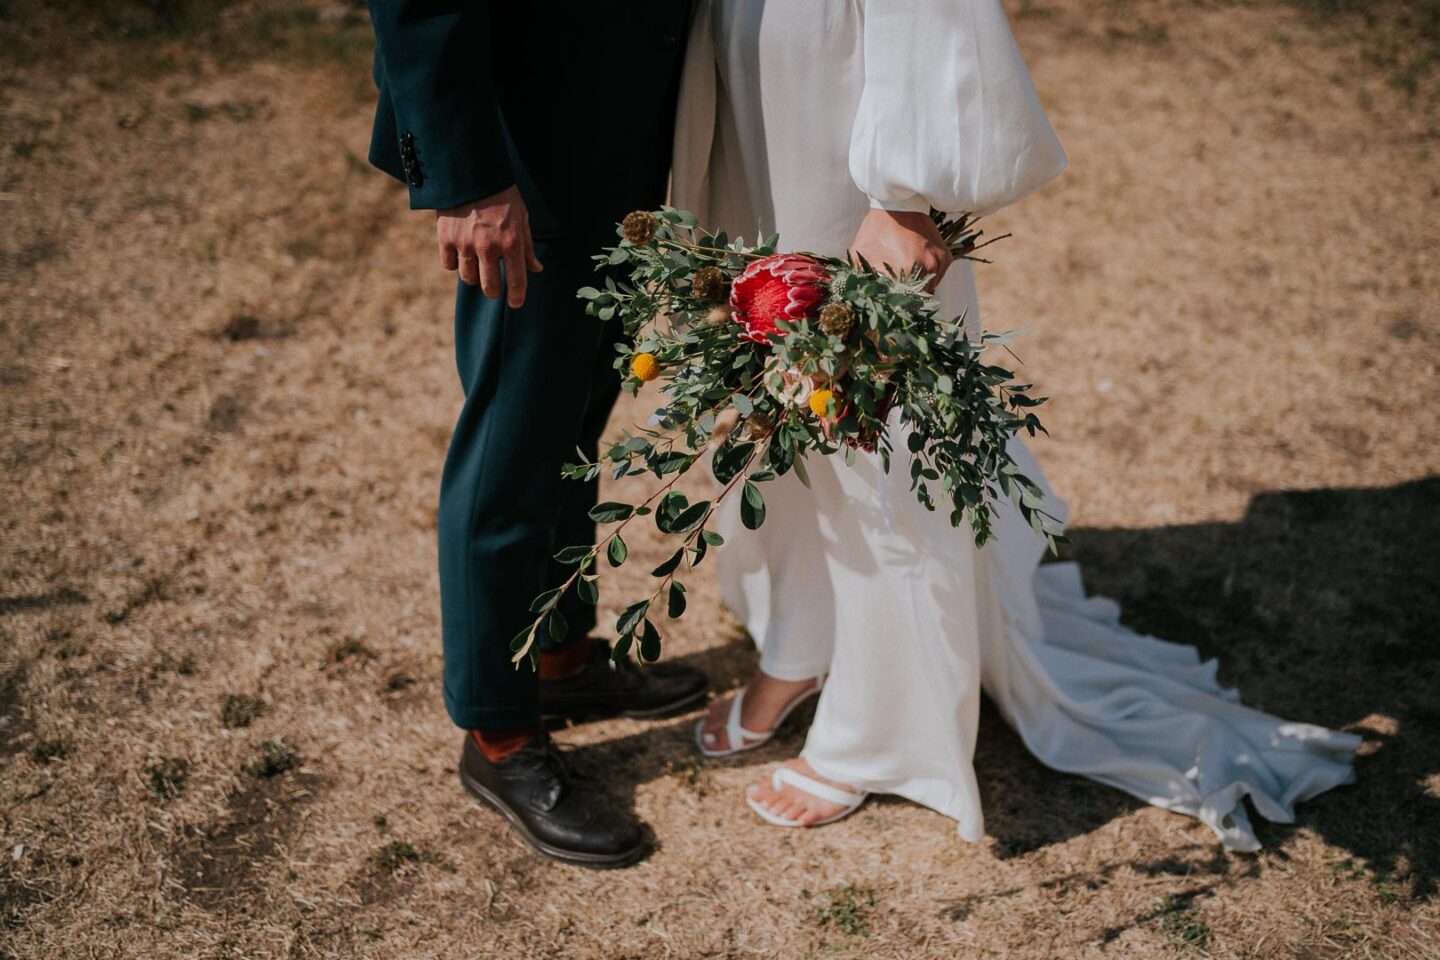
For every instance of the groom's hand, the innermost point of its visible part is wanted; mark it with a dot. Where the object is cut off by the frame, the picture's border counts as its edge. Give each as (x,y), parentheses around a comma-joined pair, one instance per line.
(475,238)
(899,240)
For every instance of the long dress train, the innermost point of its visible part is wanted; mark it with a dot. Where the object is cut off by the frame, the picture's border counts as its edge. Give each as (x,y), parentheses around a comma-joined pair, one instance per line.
(796,118)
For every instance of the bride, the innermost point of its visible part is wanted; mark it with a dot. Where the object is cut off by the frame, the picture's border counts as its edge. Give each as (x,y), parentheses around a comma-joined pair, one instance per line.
(839,124)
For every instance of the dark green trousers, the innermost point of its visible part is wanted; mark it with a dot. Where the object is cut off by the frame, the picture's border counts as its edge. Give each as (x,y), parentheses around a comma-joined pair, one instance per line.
(586,96)
(538,382)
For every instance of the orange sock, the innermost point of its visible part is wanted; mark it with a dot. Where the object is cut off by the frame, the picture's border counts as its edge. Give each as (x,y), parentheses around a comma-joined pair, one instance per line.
(566,661)
(499,746)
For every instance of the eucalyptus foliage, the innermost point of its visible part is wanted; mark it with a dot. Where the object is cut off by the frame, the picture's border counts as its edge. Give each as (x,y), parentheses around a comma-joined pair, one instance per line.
(901,369)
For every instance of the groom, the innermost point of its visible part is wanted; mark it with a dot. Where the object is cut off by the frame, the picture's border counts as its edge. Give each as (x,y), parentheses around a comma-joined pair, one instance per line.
(530,129)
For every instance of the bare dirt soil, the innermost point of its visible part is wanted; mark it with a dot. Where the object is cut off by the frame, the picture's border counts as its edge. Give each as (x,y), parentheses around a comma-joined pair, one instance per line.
(225,392)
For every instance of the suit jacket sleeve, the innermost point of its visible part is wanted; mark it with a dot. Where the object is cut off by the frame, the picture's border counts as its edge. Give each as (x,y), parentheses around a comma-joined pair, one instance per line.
(433,58)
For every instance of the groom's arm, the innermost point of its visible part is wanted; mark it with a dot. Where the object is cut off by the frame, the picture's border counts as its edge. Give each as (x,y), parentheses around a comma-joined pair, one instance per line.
(435,56)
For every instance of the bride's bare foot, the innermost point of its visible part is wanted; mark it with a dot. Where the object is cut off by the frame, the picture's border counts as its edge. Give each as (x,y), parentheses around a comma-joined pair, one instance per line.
(792,803)
(765,700)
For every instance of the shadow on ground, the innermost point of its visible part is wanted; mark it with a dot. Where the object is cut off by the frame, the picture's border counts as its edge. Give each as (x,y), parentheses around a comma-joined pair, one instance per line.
(1321,606)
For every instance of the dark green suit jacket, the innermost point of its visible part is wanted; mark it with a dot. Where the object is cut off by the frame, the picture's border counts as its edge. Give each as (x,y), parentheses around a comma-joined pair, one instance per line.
(564,97)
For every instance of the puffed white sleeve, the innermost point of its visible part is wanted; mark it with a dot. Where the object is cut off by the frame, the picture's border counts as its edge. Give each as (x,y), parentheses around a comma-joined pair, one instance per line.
(948,117)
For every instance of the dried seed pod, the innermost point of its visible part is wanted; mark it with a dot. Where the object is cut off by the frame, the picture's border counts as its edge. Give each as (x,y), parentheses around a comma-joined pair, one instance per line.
(639,227)
(709,284)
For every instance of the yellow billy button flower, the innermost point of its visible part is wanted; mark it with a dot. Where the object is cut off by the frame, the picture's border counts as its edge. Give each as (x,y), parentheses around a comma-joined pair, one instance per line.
(820,402)
(645,366)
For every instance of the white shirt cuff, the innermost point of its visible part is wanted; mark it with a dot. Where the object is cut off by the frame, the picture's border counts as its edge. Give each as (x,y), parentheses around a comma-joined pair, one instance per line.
(911,204)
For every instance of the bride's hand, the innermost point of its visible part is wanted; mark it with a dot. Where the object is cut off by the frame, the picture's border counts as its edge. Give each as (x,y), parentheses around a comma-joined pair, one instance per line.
(900,240)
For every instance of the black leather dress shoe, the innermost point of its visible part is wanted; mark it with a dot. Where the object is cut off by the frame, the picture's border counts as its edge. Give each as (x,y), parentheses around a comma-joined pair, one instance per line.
(557,816)
(606,687)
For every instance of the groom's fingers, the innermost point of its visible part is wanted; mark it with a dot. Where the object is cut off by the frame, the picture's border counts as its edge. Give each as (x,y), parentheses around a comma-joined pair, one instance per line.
(490,274)
(469,270)
(516,276)
(532,261)
(449,258)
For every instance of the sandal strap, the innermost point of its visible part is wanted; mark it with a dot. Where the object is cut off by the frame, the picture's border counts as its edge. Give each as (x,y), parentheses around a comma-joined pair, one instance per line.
(787,775)
(736,734)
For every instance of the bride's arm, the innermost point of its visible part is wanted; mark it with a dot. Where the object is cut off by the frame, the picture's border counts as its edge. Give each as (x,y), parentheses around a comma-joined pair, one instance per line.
(948,118)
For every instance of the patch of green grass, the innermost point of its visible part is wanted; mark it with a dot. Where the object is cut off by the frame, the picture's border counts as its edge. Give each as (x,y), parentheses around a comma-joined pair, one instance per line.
(240,710)
(397,854)
(1183,929)
(847,907)
(275,758)
(166,776)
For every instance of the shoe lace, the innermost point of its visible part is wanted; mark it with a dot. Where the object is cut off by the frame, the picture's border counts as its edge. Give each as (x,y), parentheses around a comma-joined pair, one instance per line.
(541,755)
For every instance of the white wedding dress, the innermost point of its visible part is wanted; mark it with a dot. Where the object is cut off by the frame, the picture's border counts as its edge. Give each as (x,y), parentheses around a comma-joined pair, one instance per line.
(795,118)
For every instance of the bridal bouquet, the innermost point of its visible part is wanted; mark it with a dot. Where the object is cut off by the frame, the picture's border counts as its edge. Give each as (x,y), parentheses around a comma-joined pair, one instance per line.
(766,358)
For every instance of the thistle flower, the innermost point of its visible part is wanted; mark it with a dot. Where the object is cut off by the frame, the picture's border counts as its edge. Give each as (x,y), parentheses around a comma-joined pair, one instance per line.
(645,367)
(820,402)
(837,320)
(639,227)
(708,284)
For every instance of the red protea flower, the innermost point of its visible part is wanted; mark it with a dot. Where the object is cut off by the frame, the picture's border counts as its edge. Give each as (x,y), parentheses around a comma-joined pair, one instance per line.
(787,286)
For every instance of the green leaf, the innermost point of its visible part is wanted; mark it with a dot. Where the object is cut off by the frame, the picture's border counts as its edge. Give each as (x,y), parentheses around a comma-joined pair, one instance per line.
(675,461)
(611,512)
(559,626)
(587,591)
(649,643)
(621,646)
(521,638)
(632,616)
(676,606)
(669,566)
(573,554)
(692,517)
(799,466)
(546,600)
(743,405)
(711,537)
(752,506)
(730,459)
(670,506)
(617,552)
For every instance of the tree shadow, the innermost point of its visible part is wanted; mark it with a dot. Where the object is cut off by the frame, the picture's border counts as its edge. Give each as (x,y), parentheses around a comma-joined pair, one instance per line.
(1321,606)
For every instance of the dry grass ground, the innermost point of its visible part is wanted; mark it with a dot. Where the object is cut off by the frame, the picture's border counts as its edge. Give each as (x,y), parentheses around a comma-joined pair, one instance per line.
(225,390)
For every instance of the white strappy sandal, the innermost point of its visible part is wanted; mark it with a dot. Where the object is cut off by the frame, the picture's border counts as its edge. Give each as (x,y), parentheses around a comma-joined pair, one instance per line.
(849,800)
(740,739)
